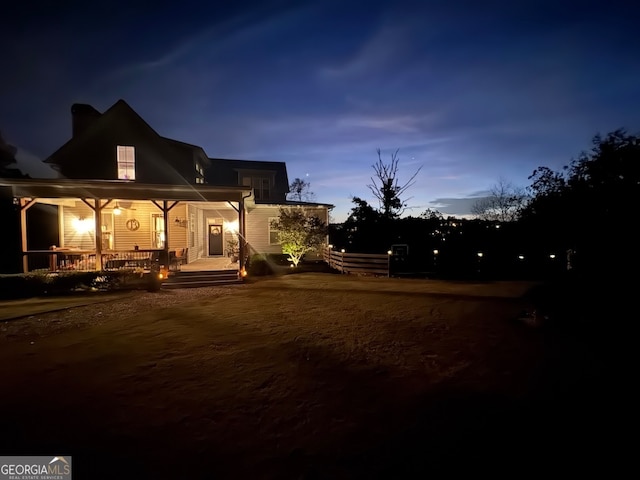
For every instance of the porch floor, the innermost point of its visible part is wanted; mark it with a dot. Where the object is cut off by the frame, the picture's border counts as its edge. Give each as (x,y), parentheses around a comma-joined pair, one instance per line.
(209,263)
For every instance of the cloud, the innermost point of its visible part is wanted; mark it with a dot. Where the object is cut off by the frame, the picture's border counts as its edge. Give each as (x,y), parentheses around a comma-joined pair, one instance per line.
(375,54)
(33,166)
(457,206)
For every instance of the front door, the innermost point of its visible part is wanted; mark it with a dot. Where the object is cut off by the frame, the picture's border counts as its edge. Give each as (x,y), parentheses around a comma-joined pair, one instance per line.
(215,240)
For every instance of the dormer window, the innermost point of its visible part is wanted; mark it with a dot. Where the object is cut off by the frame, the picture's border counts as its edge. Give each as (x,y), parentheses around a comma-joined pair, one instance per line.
(126,162)
(261,186)
(199,173)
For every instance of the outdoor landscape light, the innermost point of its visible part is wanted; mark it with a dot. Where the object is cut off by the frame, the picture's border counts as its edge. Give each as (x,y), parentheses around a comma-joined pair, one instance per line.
(435,252)
(552,256)
(521,257)
(480,254)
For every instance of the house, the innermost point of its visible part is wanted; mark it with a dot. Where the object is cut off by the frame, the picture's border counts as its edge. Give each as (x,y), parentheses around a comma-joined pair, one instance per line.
(127,195)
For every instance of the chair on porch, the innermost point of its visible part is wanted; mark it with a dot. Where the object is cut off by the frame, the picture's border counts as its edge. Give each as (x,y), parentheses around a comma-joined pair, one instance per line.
(178,257)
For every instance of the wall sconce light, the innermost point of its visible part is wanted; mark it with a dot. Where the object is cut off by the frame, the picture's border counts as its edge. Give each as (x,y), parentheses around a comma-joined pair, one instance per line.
(231,226)
(82,225)
(180,222)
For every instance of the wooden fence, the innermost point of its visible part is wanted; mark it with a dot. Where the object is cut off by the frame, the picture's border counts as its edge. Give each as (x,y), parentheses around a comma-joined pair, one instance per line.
(344,262)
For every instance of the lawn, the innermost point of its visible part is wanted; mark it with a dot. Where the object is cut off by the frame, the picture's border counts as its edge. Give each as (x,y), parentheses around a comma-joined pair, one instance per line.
(301,376)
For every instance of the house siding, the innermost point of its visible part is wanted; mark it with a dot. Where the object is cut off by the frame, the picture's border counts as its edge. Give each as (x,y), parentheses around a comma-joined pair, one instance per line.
(123,238)
(258,219)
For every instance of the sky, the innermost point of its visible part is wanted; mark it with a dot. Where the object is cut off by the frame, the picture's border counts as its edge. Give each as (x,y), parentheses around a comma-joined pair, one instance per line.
(468,92)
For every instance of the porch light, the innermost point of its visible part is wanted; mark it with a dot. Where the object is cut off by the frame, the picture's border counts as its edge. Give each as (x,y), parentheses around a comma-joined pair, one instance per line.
(436,252)
(342,250)
(231,226)
(480,254)
(552,256)
(521,257)
(117,210)
(389,252)
(82,225)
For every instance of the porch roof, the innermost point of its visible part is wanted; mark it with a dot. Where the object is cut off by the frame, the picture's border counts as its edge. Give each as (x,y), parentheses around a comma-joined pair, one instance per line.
(106,189)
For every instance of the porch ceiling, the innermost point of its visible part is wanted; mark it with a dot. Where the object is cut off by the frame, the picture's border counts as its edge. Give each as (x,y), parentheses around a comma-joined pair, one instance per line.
(105,189)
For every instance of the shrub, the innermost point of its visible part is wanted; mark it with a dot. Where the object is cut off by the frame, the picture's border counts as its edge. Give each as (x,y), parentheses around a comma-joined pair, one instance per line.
(41,283)
(259,265)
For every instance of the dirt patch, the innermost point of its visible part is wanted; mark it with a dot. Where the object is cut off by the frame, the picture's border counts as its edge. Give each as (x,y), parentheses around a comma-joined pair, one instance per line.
(300,376)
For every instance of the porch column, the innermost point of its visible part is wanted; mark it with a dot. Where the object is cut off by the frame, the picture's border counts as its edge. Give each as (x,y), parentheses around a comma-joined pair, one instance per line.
(97,207)
(165,207)
(242,234)
(165,216)
(97,216)
(25,204)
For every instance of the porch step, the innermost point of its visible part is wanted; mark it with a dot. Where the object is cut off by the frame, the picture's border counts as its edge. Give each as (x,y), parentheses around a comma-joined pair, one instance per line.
(202,279)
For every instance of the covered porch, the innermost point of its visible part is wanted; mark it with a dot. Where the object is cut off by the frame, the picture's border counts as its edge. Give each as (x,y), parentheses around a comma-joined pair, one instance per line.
(109,225)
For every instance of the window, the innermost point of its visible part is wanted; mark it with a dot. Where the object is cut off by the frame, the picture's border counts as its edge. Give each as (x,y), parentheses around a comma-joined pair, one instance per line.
(106,225)
(192,229)
(199,173)
(261,186)
(126,163)
(157,230)
(273,233)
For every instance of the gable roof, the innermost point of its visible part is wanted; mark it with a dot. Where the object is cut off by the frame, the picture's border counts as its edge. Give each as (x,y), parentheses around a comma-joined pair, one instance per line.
(101,119)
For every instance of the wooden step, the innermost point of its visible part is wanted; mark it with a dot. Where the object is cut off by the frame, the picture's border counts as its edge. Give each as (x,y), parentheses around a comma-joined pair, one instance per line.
(206,278)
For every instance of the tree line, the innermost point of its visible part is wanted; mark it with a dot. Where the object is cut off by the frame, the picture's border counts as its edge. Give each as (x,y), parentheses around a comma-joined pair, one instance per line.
(585,211)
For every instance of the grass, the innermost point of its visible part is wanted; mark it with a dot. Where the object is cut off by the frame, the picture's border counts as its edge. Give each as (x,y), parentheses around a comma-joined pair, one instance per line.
(25,307)
(308,376)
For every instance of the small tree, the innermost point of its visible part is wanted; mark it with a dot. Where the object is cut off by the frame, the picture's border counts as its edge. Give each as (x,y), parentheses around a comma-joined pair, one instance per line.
(299,232)
(300,191)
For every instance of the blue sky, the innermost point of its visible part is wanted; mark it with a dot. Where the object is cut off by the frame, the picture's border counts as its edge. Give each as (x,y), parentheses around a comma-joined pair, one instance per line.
(470,93)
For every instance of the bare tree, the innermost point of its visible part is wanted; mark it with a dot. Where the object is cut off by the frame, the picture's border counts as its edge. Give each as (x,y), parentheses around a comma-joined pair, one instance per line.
(504,203)
(300,191)
(385,187)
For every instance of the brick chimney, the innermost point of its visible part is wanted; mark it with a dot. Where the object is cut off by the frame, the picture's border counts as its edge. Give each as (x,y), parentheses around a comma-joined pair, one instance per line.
(82,115)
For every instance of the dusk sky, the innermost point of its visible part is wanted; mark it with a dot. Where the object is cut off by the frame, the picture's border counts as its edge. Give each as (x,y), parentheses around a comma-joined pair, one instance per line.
(472,91)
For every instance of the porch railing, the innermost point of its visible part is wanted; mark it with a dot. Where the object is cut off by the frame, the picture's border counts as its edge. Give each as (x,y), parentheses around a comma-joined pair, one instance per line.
(66,259)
